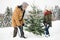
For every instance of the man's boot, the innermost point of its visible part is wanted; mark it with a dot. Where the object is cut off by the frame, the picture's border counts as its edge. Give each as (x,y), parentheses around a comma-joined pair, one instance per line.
(22,33)
(15,32)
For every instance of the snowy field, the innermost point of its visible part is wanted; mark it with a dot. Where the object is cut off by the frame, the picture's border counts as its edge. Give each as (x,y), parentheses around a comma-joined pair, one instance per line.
(7,33)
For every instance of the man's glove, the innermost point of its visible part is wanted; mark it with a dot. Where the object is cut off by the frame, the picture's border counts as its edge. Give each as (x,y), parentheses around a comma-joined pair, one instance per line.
(22,24)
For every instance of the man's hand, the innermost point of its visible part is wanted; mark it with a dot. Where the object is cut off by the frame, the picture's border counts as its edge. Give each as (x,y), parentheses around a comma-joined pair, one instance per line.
(22,24)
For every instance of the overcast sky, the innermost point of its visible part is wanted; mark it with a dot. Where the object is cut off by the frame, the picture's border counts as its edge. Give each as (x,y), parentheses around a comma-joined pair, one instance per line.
(39,3)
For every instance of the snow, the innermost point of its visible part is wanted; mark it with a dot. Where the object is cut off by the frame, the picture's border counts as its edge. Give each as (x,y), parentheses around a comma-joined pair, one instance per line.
(7,33)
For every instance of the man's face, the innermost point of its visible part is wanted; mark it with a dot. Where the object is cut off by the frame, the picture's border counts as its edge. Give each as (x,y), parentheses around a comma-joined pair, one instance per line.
(25,7)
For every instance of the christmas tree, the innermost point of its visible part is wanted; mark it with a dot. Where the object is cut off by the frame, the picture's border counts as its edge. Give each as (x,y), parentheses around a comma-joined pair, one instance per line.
(7,17)
(34,22)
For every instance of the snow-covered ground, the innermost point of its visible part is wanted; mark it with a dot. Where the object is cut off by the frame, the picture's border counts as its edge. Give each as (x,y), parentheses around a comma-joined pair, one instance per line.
(7,33)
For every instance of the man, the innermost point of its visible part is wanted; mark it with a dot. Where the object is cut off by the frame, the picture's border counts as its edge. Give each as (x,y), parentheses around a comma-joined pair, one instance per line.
(47,21)
(17,19)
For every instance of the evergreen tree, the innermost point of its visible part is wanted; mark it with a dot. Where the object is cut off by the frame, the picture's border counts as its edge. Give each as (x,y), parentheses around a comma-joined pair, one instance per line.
(57,12)
(34,22)
(7,17)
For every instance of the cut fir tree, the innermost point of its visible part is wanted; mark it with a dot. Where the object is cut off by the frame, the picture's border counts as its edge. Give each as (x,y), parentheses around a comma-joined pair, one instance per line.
(34,22)
(7,17)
